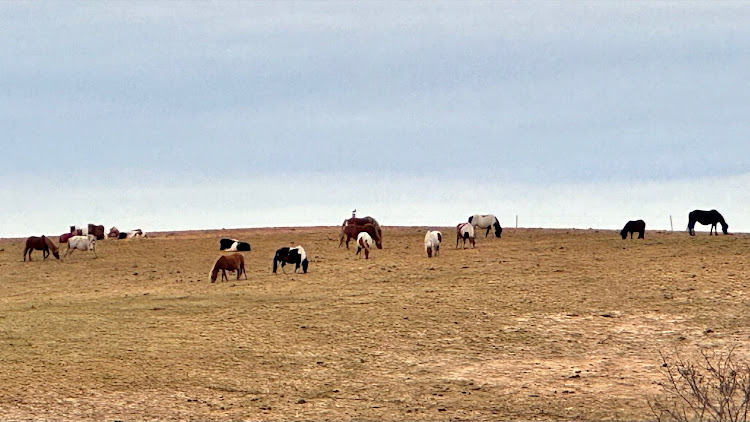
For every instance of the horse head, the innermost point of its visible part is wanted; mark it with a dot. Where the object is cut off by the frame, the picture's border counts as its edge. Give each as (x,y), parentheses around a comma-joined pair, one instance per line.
(378,239)
(724,227)
(498,229)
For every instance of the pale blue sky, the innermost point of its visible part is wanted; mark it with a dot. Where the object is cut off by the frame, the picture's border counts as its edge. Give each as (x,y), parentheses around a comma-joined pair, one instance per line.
(208,114)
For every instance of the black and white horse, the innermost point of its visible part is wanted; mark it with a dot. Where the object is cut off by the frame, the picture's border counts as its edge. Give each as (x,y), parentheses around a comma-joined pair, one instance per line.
(636,226)
(465,231)
(432,241)
(707,217)
(486,221)
(233,245)
(287,255)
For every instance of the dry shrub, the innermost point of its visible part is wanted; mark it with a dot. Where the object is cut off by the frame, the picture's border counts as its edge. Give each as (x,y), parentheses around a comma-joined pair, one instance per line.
(715,388)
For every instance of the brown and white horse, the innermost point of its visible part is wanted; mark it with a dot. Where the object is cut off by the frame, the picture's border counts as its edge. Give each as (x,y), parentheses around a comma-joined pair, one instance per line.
(364,243)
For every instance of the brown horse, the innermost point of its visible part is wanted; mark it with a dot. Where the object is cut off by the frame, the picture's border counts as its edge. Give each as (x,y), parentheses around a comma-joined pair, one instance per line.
(233,262)
(350,232)
(43,244)
(354,221)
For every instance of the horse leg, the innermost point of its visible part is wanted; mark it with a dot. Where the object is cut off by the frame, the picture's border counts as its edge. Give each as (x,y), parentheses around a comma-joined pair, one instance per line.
(224,275)
(488,231)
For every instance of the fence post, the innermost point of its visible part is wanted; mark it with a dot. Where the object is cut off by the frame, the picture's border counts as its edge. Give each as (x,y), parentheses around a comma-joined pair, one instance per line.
(516,220)
(670,222)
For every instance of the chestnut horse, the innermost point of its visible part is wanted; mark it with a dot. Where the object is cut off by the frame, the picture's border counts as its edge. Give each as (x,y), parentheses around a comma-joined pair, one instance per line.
(43,244)
(354,221)
(351,231)
(233,262)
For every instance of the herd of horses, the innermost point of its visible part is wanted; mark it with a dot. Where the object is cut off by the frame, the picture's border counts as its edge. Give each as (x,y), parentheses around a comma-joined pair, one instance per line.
(367,231)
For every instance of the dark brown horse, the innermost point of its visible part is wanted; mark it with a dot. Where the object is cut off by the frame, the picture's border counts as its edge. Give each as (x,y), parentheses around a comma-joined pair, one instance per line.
(712,217)
(43,244)
(636,226)
(354,221)
(350,232)
(233,262)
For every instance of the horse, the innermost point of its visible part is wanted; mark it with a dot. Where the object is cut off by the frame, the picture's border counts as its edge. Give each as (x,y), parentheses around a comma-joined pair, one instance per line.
(65,236)
(706,217)
(632,227)
(486,221)
(352,231)
(287,255)
(432,241)
(233,262)
(79,231)
(233,245)
(465,231)
(43,244)
(114,233)
(131,234)
(364,243)
(81,243)
(97,231)
(354,221)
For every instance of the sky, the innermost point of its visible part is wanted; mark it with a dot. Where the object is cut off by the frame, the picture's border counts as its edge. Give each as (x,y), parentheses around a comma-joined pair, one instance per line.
(201,115)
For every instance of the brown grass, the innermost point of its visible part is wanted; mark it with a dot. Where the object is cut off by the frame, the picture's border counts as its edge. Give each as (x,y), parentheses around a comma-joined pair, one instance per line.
(541,324)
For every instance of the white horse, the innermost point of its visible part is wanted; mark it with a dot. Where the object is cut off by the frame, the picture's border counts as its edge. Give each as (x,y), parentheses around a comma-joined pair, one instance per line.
(465,231)
(364,243)
(432,241)
(485,222)
(81,243)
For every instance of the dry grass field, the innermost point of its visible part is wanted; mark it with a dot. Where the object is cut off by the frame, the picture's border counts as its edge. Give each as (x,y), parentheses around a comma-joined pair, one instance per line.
(538,325)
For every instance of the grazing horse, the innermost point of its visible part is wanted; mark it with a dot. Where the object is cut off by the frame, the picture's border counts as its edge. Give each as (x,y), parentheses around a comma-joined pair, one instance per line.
(354,221)
(81,243)
(364,243)
(432,241)
(486,221)
(465,231)
(352,231)
(233,245)
(114,233)
(287,255)
(233,262)
(631,227)
(131,234)
(43,244)
(707,217)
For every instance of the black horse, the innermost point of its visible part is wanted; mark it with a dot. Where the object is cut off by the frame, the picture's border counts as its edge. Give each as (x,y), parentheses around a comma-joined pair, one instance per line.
(288,255)
(706,217)
(632,227)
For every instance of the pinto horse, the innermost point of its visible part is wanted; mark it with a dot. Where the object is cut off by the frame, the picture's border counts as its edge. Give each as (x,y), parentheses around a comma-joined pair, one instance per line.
(351,231)
(432,241)
(354,221)
(706,217)
(287,255)
(43,244)
(364,243)
(486,221)
(631,227)
(465,231)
